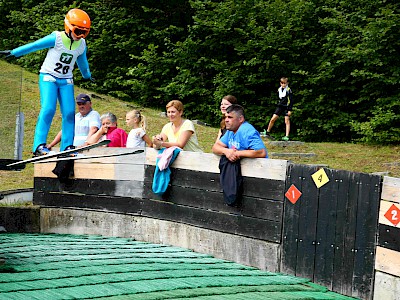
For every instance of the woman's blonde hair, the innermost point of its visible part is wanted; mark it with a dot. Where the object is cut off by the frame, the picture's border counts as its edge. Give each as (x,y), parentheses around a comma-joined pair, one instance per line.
(141,118)
(175,103)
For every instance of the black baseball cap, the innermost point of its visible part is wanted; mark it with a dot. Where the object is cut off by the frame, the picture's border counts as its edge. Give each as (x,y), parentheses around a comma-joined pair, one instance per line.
(82,98)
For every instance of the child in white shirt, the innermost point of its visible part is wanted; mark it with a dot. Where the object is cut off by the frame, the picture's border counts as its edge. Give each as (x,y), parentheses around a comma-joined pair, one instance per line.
(137,137)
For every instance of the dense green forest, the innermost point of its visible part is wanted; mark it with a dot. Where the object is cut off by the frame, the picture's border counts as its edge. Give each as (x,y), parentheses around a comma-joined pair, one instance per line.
(341,57)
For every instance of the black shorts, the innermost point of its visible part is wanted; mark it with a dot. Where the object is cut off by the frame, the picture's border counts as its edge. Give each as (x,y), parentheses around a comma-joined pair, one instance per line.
(281,110)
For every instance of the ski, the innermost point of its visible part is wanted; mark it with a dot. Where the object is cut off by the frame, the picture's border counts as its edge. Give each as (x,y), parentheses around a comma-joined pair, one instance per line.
(79,157)
(59,154)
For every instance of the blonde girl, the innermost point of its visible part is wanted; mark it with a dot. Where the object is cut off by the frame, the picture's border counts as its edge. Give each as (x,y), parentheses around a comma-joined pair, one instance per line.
(137,137)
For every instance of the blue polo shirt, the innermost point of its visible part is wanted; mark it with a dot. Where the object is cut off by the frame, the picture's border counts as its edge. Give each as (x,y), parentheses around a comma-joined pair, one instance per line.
(245,138)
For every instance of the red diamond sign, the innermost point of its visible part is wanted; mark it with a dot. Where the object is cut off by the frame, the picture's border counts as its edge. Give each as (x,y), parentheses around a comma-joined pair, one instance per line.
(393,215)
(293,194)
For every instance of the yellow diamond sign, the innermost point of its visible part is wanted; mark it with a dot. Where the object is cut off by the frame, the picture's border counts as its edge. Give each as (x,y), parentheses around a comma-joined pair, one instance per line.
(320,178)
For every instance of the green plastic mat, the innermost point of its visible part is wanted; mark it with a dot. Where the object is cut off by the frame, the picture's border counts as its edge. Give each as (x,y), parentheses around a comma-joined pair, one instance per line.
(51,266)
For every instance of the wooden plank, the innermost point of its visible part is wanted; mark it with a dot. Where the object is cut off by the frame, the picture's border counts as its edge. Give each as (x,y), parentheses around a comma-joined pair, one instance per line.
(201,189)
(326,231)
(383,208)
(81,186)
(386,286)
(291,215)
(307,225)
(129,188)
(196,161)
(387,261)
(252,207)
(350,231)
(96,202)
(264,188)
(121,188)
(191,179)
(208,162)
(389,237)
(213,220)
(391,189)
(252,187)
(262,208)
(264,168)
(44,170)
(115,167)
(129,172)
(366,230)
(342,271)
(45,184)
(96,171)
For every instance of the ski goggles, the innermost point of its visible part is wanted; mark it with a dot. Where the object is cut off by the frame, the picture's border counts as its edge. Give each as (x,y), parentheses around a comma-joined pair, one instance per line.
(80,32)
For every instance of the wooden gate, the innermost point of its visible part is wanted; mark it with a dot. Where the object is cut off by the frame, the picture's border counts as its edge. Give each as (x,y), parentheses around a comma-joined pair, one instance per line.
(329,234)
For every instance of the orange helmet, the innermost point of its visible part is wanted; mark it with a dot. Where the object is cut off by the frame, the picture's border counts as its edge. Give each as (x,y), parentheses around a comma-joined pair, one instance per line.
(78,22)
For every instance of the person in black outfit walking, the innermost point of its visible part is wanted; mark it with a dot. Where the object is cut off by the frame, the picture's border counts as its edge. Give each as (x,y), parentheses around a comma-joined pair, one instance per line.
(284,106)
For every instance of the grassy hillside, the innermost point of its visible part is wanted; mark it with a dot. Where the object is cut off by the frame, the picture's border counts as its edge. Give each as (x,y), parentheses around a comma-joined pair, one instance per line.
(353,157)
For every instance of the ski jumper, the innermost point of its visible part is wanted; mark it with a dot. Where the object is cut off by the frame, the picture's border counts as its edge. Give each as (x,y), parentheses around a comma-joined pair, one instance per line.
(56,82)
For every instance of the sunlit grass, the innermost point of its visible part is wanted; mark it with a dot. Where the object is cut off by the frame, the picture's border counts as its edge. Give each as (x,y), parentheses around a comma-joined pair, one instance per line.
(347,156)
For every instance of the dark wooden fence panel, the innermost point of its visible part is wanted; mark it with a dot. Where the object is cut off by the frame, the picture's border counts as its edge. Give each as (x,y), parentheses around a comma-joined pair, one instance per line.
(190,179)
(253,187)
(290,230)
(253,207)
(329,234)
(389,237)
(259,211)
(326,232)
(307,228)
(235,224)
(202,190)
(345,230)
(366,234)
(84,186)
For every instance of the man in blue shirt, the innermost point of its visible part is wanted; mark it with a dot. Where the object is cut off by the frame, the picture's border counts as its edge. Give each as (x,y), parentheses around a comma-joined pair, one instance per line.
(241,140)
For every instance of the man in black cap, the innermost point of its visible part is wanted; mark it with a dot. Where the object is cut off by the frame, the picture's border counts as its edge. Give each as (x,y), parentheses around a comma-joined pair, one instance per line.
(87,122)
